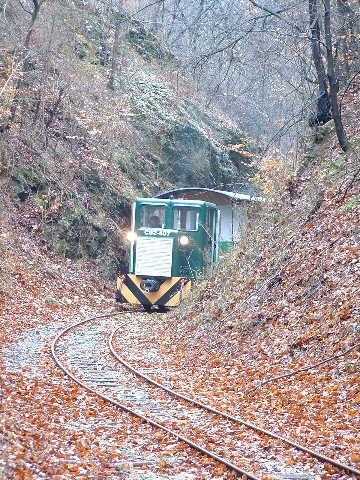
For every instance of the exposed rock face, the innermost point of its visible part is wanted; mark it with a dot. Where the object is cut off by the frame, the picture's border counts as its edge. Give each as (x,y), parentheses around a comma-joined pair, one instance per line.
(193,159)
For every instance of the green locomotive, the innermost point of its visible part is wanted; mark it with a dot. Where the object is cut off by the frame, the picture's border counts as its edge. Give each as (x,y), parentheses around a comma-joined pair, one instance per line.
(172,243)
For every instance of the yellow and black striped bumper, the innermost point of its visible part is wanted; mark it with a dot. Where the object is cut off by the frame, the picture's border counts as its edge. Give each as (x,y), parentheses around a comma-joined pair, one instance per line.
(170,293)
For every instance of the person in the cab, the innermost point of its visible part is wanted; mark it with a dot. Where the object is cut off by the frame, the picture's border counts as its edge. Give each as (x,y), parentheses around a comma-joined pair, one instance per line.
(154,222)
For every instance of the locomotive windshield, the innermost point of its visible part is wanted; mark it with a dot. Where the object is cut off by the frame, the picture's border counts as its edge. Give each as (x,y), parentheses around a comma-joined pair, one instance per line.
(186,219)
(152,216)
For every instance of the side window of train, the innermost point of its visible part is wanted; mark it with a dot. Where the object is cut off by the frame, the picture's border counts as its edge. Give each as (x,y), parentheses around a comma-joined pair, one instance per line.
(186,219)
(152,216)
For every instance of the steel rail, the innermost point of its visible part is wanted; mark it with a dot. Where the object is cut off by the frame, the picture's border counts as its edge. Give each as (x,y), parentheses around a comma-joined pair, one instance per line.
(145,419)
(239,420)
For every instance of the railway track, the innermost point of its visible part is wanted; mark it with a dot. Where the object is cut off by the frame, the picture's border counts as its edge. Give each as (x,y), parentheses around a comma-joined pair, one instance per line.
(85,352)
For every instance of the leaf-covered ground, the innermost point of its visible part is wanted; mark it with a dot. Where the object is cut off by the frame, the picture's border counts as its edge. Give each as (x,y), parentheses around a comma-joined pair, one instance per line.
(50,427)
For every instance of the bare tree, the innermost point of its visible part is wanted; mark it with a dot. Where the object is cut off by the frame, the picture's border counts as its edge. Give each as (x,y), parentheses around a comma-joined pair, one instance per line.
(24,58)
(115,55)
(333,81)
(250,60)
(315,39)
(327,77)
(34,15)
(232,46)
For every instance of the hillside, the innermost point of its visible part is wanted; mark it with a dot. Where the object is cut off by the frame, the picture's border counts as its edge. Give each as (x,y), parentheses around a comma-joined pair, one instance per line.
(96,119)
(274,336)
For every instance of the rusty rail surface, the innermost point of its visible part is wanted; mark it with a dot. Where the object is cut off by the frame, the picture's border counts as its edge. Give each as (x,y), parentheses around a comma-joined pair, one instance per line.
(181,438)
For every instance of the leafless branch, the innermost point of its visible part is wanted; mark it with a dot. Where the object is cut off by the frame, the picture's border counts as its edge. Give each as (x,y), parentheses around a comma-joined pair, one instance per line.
(276,14)
(25,10)
(347,88)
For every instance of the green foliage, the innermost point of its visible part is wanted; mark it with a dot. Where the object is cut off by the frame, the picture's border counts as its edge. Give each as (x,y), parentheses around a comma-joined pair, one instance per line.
(310,156)
(117,206)
(103,194)
(92,181)
(335,167)
(190,139)
(124,159)
(43,201)
(153,100)
(323,132)
(352,204)
(28,181)
(76,236)
(185,152)
(75,231)
(146,44)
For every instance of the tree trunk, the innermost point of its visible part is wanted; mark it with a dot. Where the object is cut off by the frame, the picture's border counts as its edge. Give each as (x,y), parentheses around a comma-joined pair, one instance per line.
(25,60)
(316,45)
(333,83)
(348,33)
(342,38)
(115,57)
(34,16)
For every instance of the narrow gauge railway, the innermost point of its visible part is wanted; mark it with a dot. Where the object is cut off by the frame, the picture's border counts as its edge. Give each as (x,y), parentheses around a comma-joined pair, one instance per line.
(85,352)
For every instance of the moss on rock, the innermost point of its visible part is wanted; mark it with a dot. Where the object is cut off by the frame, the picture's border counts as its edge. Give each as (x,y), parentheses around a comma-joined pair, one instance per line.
(146,43)
(28,181)
(76,236)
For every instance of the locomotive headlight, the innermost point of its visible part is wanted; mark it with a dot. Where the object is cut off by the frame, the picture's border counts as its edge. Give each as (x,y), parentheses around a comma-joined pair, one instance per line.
(131,236)
(184,240)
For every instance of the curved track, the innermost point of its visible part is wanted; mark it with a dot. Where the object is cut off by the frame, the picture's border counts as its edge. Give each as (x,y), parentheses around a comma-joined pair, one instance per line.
(93,363)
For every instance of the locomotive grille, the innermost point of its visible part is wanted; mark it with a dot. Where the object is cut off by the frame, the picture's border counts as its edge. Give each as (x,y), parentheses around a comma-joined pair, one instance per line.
(154,256)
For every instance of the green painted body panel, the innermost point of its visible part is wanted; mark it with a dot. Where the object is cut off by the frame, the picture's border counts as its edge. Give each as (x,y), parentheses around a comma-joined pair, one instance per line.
(226,246)
(189,261)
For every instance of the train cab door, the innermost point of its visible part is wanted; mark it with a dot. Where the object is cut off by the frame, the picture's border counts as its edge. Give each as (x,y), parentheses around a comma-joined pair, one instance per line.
(217,233)
(211,229)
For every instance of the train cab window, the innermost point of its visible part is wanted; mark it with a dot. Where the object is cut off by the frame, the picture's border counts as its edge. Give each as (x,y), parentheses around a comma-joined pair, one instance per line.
(186,219)
(152,216)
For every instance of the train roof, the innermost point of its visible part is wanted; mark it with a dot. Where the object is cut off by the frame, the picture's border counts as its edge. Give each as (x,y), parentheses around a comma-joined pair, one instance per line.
(219,197)
(176,201)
